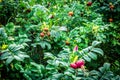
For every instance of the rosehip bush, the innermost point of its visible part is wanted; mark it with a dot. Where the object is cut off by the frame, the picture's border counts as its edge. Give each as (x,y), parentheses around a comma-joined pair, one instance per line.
(57,40)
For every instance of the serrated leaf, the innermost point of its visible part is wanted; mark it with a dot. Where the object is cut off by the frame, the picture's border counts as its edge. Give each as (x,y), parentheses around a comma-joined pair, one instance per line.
(27,76)
(50,67)
(9,60)
(97,50)
(23,55)
(18,58)
(4,55)
(68,73)
(63,28)
(35,64)
(101,69)
(95,73)
(95,43)
(87,58)
(106,66)
(48,45)
(92,55)
(42,44)
(48,55)
(58,75)
(16,48)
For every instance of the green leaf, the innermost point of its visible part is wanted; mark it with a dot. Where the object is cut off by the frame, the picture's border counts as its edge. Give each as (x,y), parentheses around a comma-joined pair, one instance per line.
(92,55)
(4,55)
(87,58)
(2,33)
(101,69)
(106,66)
(18,58)
(9,60)
(23,55)
(95,43)
(50,67)
(68,73)
(49,55)
(48,45)
(16,48)
(58,75)
(42,44)
(95,73)
(97,50)
(27,76)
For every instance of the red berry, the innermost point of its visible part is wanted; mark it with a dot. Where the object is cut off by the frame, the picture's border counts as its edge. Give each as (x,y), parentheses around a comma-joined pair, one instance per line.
(73,65)
(89,3)
(80,63)
(42,34)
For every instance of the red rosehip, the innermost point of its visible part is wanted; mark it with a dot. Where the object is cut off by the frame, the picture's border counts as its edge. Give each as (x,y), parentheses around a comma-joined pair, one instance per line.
(73,65)
(80,63)
(42,34)
(89,3)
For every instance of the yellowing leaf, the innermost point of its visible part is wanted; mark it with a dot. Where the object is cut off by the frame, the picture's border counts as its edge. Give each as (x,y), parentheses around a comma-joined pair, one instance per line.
(0,0)
(95,28)
(75,59)
(4,46)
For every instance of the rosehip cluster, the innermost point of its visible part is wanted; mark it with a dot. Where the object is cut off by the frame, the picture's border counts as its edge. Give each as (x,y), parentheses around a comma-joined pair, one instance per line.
(77,64)
(45,32)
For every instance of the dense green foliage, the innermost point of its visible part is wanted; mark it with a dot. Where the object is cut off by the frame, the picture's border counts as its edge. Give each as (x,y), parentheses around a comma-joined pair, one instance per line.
(39,39)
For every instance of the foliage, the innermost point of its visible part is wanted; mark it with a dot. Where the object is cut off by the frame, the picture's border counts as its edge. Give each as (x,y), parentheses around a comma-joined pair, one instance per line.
(39,39)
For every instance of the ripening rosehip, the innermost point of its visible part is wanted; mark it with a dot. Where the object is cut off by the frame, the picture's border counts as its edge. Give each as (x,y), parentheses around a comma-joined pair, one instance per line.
(89,3)
(80,63)
(45,29)
(73,65)
(67,42)
(111,7)
(110,20)
(70,13)
(42,34)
